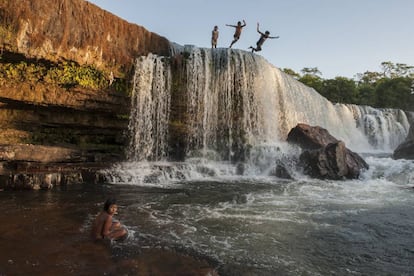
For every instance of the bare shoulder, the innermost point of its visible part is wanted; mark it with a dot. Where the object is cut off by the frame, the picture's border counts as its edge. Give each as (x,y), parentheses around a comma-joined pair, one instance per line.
(102,217)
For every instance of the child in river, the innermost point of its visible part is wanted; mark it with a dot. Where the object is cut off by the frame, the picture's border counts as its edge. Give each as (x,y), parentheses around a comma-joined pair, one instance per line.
(105,226)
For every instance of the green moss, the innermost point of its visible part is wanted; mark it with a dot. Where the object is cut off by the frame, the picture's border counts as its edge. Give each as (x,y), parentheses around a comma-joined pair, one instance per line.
(69,74)
(66,74)
(122,86)
(6,34)
(123,116)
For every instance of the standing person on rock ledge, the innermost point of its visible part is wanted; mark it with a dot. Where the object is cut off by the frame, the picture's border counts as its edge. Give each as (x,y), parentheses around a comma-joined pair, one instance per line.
(214,37)
(237,32)
(262,39)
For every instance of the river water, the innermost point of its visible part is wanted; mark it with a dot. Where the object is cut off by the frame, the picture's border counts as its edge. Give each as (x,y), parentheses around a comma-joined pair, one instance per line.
(239,216)
(261,225)
(236,218)
(240,225)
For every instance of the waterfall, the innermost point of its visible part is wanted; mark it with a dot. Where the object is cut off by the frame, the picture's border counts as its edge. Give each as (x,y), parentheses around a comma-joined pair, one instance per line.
(225,101)
(233,101)
(150,110)
(384,128)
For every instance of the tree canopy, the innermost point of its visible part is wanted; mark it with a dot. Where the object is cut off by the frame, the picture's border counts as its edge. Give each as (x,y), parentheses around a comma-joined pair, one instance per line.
(391,87)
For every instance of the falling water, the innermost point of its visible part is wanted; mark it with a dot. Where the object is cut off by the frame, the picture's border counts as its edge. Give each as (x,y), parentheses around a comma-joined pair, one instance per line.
(236,101)
(233,111)
(151,107)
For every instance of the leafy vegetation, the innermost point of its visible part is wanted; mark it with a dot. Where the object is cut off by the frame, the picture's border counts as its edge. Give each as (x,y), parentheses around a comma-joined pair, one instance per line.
(69,74)
(65,74)
(6,33)
(392,87)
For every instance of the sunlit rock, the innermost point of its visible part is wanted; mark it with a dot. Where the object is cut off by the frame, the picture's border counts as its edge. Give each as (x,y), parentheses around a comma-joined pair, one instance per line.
(310,137)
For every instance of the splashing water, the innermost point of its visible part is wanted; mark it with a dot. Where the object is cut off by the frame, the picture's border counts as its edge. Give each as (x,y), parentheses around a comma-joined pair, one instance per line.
(222,200)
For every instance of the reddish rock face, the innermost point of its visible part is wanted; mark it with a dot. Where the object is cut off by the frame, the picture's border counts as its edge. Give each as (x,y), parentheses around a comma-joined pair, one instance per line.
(310,137)
(74,30)
(82,124)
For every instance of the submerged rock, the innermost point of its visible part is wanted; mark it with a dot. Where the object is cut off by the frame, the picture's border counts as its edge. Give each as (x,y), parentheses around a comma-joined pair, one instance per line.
(281,172)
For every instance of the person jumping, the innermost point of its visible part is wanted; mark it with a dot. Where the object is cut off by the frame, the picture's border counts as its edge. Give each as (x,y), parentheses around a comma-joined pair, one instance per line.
(237,32)
(262,39)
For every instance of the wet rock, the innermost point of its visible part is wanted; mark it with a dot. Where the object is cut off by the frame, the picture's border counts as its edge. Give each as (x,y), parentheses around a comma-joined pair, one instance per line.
(333,161)
(406,149)
(324,156)
(50,180)
(36,176)
(73,178)
(21,182)
(37,153)
(282,172)
(240,168)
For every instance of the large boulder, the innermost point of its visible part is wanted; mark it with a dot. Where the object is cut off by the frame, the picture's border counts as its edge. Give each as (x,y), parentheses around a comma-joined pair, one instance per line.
(406,149)
(333,161)
(324,156)
(310,137)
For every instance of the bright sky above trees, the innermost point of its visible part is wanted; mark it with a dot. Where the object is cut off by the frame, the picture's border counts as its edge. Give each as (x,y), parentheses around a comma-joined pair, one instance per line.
(339,37)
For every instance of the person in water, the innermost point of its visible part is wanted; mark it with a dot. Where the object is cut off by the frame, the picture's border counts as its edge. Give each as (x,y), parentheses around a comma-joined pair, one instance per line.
(262,39)
(105,226)
(237,32)
(214,37)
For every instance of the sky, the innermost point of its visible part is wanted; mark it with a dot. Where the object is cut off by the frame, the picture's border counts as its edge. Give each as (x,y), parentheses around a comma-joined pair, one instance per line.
(339,37)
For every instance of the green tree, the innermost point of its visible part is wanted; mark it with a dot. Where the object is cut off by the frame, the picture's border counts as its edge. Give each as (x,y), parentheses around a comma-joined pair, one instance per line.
(340,90)
(291,73)
(369,77)
(395,93)
(314,71)
(366,94)
(391,87)
(312,81)
(391,70)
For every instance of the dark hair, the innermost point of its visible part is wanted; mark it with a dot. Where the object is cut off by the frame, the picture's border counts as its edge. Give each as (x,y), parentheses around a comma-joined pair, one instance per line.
(267,32)
(108,203)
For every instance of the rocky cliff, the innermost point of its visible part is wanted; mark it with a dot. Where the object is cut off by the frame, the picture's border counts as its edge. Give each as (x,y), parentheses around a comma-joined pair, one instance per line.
(65,73)
(74,30)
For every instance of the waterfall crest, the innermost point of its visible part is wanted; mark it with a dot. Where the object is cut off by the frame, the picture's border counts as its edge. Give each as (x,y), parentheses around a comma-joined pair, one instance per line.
(231,101)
